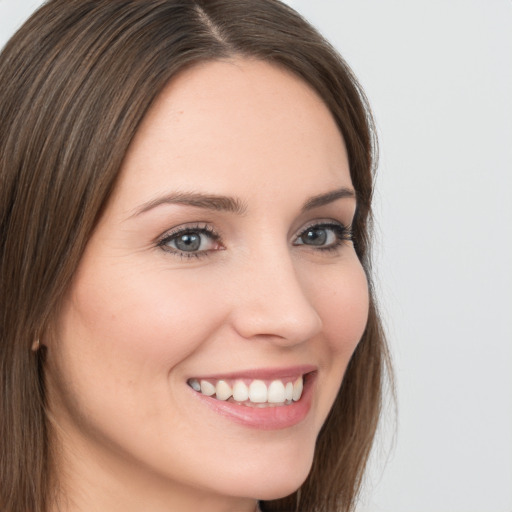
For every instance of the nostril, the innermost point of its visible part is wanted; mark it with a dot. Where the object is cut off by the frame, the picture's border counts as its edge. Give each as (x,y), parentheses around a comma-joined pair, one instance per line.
(277,326)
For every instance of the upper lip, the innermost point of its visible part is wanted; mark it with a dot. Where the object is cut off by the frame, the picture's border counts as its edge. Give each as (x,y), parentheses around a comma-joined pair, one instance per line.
(262,373)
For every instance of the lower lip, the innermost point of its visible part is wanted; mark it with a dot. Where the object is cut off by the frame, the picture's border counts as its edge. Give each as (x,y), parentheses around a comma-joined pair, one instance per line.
(265,418)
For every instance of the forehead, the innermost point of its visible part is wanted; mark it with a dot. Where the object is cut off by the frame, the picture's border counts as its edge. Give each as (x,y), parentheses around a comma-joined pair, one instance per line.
(233,126)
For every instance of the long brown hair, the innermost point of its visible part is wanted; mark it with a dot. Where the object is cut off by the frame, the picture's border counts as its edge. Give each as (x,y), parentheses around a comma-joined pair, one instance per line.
(75,82)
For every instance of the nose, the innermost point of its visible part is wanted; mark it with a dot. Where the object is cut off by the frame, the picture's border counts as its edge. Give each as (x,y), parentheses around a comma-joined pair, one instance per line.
(271,302)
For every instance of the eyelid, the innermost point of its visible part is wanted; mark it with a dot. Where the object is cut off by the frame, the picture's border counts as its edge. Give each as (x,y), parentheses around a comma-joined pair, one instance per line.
(202,228)
(183,228)
(324,223)
(342,232)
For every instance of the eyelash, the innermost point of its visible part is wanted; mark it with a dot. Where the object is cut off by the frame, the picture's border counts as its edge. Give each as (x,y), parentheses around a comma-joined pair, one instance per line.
(203,229)
(341,232)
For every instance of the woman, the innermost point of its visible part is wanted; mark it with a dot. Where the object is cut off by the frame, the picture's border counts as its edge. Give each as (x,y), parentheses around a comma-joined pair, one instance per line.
(187,312)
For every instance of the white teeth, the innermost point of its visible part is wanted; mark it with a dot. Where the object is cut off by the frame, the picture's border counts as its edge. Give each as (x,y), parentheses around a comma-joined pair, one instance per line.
(240,391)
(194,384)
(222,390)
(297,389)
(258,392)
(207,388)
(288,391)
(276,393)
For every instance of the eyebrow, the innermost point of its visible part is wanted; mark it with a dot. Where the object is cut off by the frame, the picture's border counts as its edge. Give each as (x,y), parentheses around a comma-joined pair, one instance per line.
(329,197)
(233,204)
(199,200)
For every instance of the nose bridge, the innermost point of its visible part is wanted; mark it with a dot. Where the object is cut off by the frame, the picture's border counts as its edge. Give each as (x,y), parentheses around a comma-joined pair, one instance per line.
(272,302)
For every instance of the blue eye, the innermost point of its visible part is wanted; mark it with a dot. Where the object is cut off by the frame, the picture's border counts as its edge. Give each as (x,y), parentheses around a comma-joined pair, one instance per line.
(190,241)
(324,236)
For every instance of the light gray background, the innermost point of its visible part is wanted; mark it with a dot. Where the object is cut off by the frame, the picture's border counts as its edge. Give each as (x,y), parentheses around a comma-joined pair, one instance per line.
(439,76)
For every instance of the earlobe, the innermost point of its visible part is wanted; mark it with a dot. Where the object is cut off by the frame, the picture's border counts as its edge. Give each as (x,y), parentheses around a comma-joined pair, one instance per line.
(35,345)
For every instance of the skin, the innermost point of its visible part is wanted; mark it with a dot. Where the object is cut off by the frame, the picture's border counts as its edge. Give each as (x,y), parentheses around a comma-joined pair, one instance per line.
(140,319)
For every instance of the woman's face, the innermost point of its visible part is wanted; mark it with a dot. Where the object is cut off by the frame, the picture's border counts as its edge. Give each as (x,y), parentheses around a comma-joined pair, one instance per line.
(222,264)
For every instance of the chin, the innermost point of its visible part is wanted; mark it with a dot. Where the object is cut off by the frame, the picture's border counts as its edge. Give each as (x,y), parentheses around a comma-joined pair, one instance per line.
(282,488)
(277,478)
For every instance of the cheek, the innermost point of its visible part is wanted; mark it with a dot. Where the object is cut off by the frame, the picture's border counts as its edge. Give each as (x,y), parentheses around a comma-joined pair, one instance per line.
(121,334)
(339,294)
(147,316)
(343,304)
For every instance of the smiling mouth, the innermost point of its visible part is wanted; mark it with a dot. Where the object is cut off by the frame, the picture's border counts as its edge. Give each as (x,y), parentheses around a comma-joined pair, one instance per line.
(252,392)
